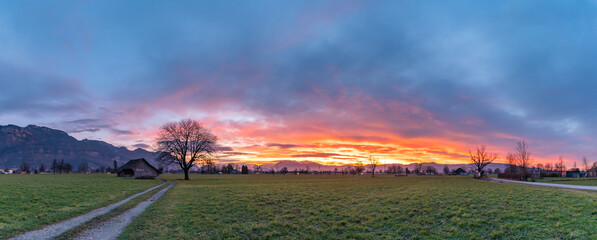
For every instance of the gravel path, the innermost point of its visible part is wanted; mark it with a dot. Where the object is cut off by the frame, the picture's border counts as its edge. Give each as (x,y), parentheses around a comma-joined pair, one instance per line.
(112,228)
(593,188)
(55,230)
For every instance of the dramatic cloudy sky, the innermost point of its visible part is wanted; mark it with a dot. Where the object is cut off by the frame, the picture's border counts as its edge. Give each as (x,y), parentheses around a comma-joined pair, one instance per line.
(409,81)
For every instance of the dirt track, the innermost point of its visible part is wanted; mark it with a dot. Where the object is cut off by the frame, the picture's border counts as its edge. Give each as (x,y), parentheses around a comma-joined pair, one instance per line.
(112,228)
(56,229)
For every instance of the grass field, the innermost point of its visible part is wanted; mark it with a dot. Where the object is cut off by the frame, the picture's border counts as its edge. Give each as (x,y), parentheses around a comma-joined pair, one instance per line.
(573,181)
(386,207)
(30,201)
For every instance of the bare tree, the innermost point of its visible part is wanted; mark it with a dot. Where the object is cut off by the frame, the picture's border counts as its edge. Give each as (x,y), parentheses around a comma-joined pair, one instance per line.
(83,167)
(209,165)
(25,167)
(186,144)
(257,168)
(523,156)
(430,170)
(586,163)
(399,170)
(511,161)
(373,162)
(480,159)
(560,165)
(548,167)
(359,167)
(446,170)
(417,168)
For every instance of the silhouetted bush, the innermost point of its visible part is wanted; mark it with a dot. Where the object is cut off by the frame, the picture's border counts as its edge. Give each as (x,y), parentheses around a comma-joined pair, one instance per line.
(552,174)
(515,176)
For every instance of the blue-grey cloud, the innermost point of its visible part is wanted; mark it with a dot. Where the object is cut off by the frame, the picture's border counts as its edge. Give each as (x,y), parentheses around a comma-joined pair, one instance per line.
(469,72)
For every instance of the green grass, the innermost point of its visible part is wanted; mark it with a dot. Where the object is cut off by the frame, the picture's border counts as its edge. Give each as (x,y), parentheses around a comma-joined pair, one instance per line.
(341,207)
(71,234)
(573,181)
(28,202)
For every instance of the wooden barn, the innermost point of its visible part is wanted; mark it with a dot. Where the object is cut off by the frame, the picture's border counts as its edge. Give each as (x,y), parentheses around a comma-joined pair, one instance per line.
(138,168)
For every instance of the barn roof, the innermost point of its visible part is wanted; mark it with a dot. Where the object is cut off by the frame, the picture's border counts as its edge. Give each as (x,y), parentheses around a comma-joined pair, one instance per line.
(134,162)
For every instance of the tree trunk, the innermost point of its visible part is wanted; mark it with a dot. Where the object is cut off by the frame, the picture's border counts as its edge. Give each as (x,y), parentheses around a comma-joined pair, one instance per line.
(186,174)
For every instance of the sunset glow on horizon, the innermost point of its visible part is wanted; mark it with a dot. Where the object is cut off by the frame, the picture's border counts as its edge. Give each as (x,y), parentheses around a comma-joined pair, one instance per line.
(322,81)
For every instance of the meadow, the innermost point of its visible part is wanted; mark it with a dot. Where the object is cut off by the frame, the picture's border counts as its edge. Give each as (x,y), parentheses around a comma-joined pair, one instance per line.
(361,207)
(31,201)
(591,181)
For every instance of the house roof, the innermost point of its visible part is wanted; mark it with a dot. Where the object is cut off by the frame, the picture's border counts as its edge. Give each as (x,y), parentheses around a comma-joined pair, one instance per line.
(130,164)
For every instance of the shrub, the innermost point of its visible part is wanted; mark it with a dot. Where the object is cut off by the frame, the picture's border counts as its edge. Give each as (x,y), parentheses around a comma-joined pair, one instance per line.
(515,176)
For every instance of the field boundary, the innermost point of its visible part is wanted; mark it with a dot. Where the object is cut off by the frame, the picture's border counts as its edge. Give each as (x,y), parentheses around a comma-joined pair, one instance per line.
(569,186)
(54,230)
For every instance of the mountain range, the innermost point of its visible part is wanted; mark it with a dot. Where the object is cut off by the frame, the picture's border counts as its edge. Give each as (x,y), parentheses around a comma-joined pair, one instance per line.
(41,145)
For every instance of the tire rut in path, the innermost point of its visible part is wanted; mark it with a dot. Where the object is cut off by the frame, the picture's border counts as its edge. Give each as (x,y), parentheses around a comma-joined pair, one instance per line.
(54,230)
(113,227)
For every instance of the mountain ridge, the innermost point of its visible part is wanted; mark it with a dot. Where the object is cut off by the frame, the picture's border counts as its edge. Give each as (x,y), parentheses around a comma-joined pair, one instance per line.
(41,145)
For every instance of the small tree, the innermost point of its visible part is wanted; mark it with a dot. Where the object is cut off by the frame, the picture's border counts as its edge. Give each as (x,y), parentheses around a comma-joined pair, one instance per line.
(54,166)
(257,168)
(359,167)
(115,166)
(185,143)
(83,167)
(417,168)
(430,170)
(399,170)
(68,168)
(446,170)
(560,167)
(25,167)
(511,162)
(481,159)
(42,168)
(60,166)
(523,156)
(373,162)
(586,163)
(284,170)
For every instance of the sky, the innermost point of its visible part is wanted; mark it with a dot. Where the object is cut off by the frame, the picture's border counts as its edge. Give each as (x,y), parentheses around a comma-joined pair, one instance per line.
(325,81)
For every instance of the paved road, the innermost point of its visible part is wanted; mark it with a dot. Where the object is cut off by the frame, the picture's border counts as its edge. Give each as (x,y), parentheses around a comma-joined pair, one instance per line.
(55,230)
(593,188)
(112,228)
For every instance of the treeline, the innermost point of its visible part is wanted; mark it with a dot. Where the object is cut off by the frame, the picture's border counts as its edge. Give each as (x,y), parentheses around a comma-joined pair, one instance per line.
(520,166)
(58,167)
(357,169)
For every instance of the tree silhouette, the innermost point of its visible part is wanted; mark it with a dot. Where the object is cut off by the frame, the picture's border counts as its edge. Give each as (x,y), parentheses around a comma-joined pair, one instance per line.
(480,159)
(185,144)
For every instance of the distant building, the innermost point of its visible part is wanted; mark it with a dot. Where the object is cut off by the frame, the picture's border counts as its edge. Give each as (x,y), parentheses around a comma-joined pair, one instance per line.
(138,168)
(459,171)
(575,173)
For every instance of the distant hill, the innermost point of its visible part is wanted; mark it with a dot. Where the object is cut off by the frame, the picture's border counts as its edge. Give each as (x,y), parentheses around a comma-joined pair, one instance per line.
(39,145)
